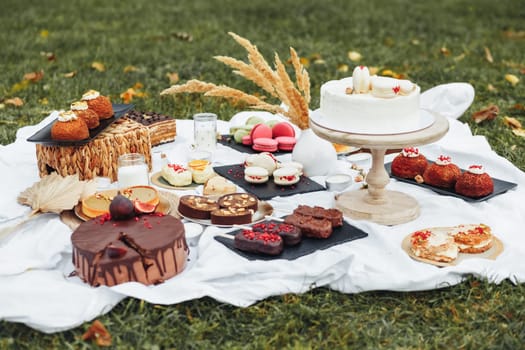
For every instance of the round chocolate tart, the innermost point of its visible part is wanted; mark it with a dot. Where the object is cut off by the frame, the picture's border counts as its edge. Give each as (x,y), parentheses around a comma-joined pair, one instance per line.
(147,249)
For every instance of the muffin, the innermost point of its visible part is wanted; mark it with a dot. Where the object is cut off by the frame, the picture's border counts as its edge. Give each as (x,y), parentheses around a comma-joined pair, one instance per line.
(98,103)
(69,127)
(81,109)
(474,182)
(409,163)
(443,173)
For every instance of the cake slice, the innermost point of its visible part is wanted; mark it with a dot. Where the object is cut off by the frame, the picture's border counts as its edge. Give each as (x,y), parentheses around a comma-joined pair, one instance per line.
(434,244)
(162,128)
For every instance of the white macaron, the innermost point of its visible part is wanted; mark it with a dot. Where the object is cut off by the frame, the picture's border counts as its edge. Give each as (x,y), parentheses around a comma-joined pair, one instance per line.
(286,176)
(255,174)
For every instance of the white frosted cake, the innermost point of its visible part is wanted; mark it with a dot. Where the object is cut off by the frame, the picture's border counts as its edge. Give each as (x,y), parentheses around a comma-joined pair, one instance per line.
(370,104)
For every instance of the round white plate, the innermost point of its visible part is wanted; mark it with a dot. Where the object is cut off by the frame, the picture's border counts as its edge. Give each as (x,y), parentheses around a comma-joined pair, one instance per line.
(426,120)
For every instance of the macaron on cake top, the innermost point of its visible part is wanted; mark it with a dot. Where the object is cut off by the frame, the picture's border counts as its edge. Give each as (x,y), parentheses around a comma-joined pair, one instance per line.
(255,174)
(286,176)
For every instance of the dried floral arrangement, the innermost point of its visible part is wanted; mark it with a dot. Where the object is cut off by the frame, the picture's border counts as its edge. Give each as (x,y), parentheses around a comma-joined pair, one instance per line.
(276,82)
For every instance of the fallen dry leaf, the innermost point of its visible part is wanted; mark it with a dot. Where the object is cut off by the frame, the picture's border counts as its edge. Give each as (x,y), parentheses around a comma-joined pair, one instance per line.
(391,73)
(511,34)
(132,92)
(20,86)
(512,122)
(34,76)
(342,67)
(354,56)
(44,33)
(130,68)
(512,79)
(183,36)
(99,66)
(43,101)
(15,101)
(488,55)
(98,333)
(70,74)
(491,88)
(444,51)
(519,132)
(373,70)
(519,107)
(488,113)
(173,77)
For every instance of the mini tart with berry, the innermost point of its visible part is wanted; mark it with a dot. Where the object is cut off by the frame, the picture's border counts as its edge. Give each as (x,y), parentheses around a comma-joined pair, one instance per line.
(474,182)
(176,175)
(434,245)
(98,103)
(472,238)
(443,173)
(409,163)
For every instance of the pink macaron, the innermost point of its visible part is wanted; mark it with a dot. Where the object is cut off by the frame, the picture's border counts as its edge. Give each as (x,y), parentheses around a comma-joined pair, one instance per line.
(265,144)
(247,140)
(261,130)
(283,129)
(286,143)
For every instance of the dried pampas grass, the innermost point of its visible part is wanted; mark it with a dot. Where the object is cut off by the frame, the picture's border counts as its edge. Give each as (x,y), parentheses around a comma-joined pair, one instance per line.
(276,82)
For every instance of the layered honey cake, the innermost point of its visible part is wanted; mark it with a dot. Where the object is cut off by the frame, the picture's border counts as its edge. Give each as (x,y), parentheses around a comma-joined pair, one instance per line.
(162,128)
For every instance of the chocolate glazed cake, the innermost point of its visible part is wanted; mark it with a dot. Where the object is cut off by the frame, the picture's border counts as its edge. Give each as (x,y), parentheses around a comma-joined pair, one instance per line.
(148,249)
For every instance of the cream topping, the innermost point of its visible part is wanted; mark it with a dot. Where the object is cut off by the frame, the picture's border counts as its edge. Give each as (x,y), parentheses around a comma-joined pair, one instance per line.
(443,160)
(410,152)
(79,106)
(361,80)
(476,169)
(66,116)
(406,87)
(90,95)
(385,87)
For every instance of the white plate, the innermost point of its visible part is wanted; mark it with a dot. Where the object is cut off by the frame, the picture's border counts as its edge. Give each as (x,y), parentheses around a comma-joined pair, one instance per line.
(426,120)
(263,210)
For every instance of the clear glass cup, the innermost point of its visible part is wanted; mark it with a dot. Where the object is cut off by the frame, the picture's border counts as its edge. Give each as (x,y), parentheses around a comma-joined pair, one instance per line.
(132,170)
(205,131)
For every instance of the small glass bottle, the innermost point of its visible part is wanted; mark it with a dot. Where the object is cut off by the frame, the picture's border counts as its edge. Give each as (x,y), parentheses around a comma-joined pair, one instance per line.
(132,170)
(205,131)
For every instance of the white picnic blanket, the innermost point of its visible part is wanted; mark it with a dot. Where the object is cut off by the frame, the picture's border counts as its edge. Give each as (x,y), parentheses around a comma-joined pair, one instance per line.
(36,260)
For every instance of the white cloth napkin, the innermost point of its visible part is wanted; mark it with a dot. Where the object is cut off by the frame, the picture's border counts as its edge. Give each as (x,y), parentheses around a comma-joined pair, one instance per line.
(35,264)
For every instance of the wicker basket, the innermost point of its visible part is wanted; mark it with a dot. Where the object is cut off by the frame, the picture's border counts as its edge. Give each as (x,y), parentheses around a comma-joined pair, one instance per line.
(98,157)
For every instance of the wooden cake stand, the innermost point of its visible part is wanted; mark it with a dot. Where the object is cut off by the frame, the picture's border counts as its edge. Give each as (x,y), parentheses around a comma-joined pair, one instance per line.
(378,204)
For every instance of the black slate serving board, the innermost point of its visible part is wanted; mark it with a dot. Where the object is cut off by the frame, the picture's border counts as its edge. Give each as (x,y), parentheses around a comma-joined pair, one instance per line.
(43,136)
(268,190)
(342,234)
(500,186)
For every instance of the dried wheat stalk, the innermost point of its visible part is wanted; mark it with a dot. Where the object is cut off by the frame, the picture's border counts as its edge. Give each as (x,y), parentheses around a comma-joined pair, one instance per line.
(276,82)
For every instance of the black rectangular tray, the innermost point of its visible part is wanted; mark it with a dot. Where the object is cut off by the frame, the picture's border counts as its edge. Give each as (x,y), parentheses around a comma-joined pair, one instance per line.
(228,140)
(268,190)
(43,136)
(500,186)
(342,234)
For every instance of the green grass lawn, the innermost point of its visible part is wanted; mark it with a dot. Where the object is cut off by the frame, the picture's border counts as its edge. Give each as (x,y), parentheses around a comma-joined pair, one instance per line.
(141,41)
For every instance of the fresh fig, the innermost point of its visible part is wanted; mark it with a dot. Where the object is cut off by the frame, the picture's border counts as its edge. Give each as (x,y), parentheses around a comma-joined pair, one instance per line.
(121,207)
(143,207)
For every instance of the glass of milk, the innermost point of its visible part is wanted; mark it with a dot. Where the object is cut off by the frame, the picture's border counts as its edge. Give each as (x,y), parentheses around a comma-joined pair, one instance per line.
(205,131)
(132,170)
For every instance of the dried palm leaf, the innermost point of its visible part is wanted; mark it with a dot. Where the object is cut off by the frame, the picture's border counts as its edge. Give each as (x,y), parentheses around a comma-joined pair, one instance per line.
(52,194)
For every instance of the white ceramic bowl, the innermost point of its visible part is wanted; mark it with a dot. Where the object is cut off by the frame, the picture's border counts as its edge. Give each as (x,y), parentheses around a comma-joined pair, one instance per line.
(338,182)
